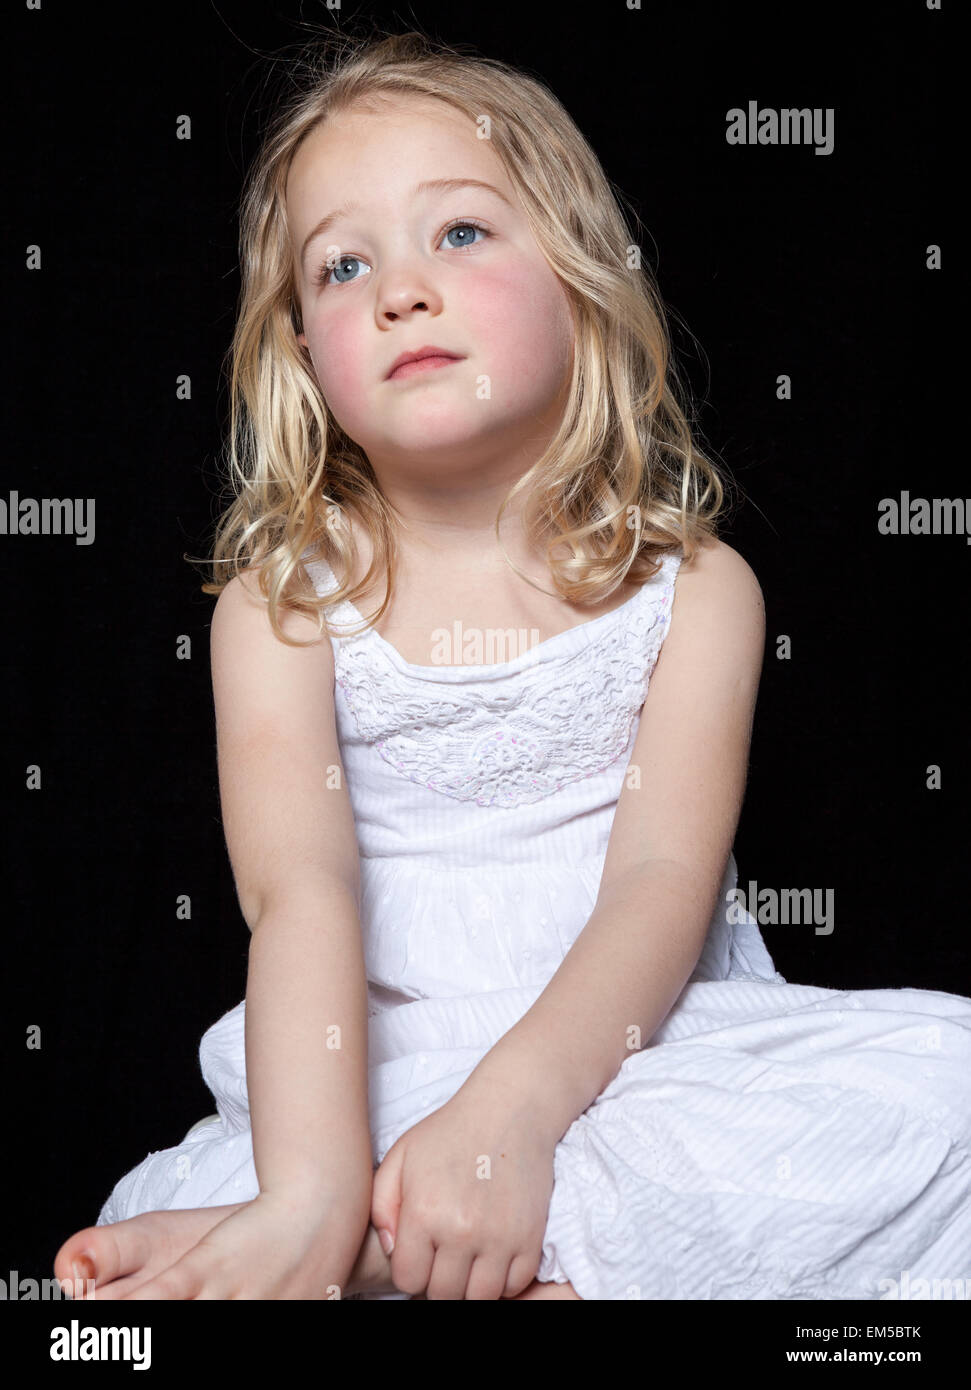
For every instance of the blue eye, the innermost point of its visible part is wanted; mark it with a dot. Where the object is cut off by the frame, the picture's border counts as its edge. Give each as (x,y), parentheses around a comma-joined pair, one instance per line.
(461,226)
(323,275)
(326,270)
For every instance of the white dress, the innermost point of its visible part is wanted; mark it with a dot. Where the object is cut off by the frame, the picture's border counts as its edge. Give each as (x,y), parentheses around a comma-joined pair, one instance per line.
(773,1140)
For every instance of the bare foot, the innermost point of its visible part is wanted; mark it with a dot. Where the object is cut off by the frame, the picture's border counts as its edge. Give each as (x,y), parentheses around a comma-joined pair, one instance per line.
(125,1254)
(114,1260)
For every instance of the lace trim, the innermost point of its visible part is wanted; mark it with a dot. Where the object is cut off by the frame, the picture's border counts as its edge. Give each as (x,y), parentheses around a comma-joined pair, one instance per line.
(519,735)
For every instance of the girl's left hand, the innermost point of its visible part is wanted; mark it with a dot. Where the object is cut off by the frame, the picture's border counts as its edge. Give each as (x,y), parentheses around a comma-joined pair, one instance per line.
(465,1194)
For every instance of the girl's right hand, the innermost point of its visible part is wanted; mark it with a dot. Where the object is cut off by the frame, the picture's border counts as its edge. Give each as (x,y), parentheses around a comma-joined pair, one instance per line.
(279,1246)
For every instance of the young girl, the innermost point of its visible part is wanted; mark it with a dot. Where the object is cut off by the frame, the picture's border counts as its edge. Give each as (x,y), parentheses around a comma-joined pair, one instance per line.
(500,1006)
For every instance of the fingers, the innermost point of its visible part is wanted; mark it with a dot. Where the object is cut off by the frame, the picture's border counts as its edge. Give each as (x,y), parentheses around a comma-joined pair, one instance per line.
(488,1279)
(450,1274)
(386,1192)
(412,1258)
(372,1268)
(521,1273)
(457,1270)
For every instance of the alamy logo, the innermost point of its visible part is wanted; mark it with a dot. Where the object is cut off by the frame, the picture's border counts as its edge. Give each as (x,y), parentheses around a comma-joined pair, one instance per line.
(924,516)
(906,1288)
(788,126)
(784,906)
(101,1343)
(478,646)
(48,516)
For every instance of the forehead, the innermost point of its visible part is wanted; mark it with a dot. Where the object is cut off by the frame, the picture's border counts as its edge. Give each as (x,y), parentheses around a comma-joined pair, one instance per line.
(388,145)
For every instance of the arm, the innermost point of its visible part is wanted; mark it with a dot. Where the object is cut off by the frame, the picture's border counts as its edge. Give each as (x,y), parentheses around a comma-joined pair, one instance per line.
(290,835)
(669,843)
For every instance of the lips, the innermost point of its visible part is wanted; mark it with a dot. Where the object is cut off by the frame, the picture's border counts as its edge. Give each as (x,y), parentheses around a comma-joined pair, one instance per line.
(420,354)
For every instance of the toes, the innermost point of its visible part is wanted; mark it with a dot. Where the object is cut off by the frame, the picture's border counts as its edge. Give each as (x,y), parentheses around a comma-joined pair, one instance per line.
(128,1252)
(194,1276)
(119,1288)
(103,1253)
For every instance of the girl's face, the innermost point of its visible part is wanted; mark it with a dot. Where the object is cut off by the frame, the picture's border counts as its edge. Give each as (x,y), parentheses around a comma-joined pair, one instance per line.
(452,268)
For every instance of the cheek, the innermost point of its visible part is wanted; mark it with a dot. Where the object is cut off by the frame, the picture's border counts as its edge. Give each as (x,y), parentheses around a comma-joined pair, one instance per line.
(338,349)
(520,323)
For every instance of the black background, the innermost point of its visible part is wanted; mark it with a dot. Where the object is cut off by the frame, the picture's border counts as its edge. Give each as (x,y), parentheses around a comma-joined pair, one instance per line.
(773,260)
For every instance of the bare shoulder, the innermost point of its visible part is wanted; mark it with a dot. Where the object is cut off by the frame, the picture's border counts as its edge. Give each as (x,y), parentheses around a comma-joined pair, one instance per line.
(717,573)
(717,599)
(241,612)
(717,617)
(259,681)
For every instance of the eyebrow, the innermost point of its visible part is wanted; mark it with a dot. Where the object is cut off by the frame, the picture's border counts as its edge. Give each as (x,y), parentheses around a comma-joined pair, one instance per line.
(441,185)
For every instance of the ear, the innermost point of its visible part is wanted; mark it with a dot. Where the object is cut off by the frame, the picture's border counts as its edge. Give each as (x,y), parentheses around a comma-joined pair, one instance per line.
(302,339)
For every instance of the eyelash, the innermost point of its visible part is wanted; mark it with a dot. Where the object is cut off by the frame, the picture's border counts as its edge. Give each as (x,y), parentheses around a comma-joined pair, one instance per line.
(320,279)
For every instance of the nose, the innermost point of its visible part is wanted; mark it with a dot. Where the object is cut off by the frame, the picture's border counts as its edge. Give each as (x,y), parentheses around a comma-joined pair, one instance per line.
(392,314)
(405,289)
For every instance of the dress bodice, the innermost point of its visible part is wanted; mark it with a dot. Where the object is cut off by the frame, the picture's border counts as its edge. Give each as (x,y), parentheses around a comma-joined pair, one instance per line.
(483,795)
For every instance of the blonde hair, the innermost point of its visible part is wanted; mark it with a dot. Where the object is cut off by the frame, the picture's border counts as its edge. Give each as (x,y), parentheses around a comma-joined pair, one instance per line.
(622,480)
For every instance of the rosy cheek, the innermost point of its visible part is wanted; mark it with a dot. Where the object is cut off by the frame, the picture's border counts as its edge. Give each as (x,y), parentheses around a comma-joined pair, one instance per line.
(337,351)
(516,317)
